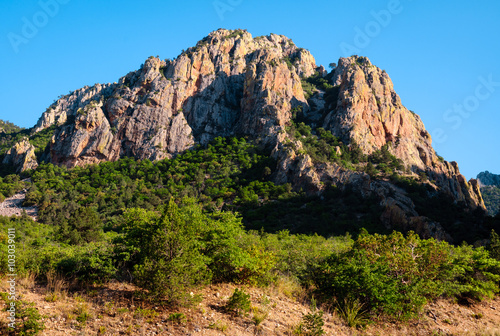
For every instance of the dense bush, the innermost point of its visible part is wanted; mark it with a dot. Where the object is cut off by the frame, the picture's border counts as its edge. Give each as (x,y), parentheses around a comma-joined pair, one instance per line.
(183,247)
(8,127)
(324,146)
(397,275)
(39,252)
(172,225)
(164,252)
(228,174)
(10,184)
(239,302)
(384,161)
(40,139)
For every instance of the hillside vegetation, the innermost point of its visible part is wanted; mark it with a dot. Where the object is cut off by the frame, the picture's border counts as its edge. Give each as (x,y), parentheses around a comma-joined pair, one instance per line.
(491,196)
(212,216)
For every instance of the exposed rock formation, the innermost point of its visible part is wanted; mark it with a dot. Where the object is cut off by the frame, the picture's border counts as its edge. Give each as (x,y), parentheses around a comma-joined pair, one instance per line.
(22,156)
(488,179)
(233,84)
(229,83)
(369,112)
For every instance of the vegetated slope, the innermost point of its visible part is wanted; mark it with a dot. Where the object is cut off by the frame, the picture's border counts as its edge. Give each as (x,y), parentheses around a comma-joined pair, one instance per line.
(172,254)
(490,189)
(346,128)
(8,127)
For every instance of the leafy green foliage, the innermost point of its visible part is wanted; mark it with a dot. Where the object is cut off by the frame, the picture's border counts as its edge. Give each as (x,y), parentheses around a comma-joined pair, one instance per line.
(165,253)
(10,184)
(15,134)
(323,146)
(41,139)
(8,127)
(314,83)
(491,196)
(239,302)
(236,33)
(494,245)
(335,212)
(39,252)
(383,161)
(228,174)
(177,318)
(184,247)
(28,319)
(168,247)
(442,208)
(228,170)
(82,226)
(353,312)
(396,275)
(311,325)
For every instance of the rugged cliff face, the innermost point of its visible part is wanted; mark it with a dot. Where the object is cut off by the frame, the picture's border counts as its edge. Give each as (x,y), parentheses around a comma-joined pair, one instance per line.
(22,156)
(233,84)
(369,112)
(229,83)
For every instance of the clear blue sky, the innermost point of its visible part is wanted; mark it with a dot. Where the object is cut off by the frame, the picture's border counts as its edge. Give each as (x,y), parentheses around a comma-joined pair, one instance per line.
(438,53)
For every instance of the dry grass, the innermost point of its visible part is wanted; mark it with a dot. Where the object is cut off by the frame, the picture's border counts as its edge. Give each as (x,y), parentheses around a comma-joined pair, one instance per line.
(288,287)
(27,281)
(487,332)
(56,287)
(113,310)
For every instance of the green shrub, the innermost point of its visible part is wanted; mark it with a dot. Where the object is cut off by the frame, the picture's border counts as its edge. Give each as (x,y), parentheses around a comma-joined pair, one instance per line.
(179,318)
(494,245)
(90,263)
(397,275)
(353,312)
(166,255)
(83,226)
(28,319)
(218,325)
(239,302)
(311,325)
(385,161)
(146,313)
(82,313)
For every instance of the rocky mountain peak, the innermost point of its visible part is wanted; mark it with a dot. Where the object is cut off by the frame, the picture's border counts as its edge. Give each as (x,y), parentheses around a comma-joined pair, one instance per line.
(370,113)
(233,84)
(229,83)
(488,179)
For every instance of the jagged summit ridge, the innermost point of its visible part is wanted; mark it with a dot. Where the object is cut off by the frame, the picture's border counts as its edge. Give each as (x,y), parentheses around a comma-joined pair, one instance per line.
(233,84)
(229,83)
(488,179)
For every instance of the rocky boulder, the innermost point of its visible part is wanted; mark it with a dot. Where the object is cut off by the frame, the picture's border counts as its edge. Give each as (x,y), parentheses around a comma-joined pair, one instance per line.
(21,156)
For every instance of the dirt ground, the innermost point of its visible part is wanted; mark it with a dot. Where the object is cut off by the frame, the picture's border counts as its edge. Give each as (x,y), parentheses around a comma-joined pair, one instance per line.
(12,206)
(115,309)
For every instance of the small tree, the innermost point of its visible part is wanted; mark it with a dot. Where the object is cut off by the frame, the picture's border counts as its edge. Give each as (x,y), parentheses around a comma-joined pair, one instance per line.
(165,251)
(239,302)
(83,226)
